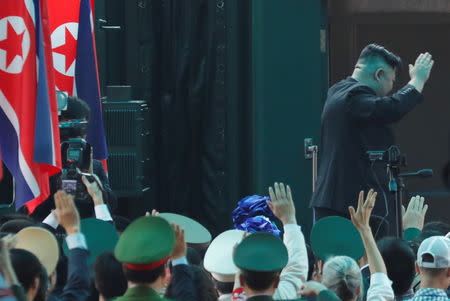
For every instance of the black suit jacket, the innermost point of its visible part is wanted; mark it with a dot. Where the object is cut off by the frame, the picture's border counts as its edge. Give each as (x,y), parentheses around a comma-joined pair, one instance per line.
(78,279)
(182,286)
(354,121)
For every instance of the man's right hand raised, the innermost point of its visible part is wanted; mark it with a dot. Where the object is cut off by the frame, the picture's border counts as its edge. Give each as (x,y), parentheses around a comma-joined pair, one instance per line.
(420,72)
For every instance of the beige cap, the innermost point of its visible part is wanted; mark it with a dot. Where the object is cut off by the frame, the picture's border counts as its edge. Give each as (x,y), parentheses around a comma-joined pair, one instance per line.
(42,243)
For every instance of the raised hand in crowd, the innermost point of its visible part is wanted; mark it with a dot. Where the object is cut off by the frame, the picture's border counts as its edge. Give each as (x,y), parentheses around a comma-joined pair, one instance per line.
(6,243)
(282,204)
(420,72)
(94,189)
(360,219)
(180,248)
(380,286)
(311,288)
(66,213)
(414,216)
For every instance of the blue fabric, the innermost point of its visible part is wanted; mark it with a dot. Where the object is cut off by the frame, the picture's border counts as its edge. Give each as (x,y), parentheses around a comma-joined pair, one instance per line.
(254,215)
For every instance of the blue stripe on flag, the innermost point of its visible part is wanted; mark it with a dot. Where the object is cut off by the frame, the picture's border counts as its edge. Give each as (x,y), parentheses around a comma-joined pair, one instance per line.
(10,155)
(87,82)
(43,137)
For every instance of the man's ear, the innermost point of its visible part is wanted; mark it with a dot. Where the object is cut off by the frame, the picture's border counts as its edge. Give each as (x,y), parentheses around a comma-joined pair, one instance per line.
(417,269)
(277,281)
(35,284)
(358,291)
(320,265)
(241,280)
(379,73)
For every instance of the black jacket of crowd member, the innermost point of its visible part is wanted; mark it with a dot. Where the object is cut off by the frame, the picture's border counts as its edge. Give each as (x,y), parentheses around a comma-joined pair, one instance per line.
(355,120)
(86,209)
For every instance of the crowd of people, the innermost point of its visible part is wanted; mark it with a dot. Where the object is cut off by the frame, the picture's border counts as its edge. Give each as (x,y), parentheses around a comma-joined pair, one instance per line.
(73,248)
(63,258)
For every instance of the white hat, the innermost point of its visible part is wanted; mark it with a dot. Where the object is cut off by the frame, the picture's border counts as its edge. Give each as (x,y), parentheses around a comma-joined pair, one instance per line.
(195,233)
(438,247)
(42,243)
(219,256)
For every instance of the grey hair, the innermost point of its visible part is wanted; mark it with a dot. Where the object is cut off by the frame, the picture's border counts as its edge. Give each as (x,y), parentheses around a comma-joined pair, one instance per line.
(342,275)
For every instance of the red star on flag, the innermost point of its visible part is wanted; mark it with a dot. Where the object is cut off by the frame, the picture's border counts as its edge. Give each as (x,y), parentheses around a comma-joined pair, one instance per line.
(69,49)
(12,44)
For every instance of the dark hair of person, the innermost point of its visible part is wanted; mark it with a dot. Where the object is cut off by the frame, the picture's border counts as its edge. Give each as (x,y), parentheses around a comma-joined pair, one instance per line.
(224,287)
(27,268)
(311,261)
(109,276)
(147,276)
(76,109)
(15,225)
(204,284)
(193,257)
(442,227)
(376,51)
(9,217)
(399,259)
(431,272)
(259,281)
(379,226)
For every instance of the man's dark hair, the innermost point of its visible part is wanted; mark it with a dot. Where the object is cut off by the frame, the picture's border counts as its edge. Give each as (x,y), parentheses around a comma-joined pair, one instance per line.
(224,287)
(109,276)
(376,51)
(442,227)
(259,281)
(76,109)
(15,225)
(399,259)
(311,261)
(193,257)
(27,268)
(148,276)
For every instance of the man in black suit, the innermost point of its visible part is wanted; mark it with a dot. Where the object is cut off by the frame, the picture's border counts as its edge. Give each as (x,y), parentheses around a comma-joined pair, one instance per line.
(357,118)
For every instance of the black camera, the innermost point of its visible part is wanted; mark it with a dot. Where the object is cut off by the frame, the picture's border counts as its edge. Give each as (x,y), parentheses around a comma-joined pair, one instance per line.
(76,157)
(392,156)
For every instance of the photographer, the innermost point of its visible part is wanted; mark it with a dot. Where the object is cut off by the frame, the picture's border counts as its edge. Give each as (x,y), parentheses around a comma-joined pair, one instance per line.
(73,121)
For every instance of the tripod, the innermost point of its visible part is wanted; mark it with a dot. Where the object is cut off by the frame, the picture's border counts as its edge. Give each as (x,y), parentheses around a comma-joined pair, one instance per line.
(397,187)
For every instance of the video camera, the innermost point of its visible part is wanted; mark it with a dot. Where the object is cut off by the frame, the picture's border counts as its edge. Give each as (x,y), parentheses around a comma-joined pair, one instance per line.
(76,156)
(392,157)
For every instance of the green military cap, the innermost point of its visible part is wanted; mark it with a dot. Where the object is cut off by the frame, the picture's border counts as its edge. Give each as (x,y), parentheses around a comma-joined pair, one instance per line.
(146,243)
(336,236)
(195,234)
(261,252)
(100,237)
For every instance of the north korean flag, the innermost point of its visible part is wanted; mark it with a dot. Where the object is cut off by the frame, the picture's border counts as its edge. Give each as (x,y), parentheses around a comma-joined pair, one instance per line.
(75,62)
(29,135)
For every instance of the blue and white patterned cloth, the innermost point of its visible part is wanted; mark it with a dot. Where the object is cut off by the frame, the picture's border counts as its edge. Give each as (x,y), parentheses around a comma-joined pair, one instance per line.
(430,294)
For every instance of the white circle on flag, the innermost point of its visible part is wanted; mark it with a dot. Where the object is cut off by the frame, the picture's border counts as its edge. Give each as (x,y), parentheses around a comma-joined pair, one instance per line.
(59,39)
(18,24)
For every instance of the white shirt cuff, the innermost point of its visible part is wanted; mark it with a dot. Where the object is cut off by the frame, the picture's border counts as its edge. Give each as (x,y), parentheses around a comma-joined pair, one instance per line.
(182,260)
(51,221)
(76,240)
(380,278)
(102,212)
(291,227)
